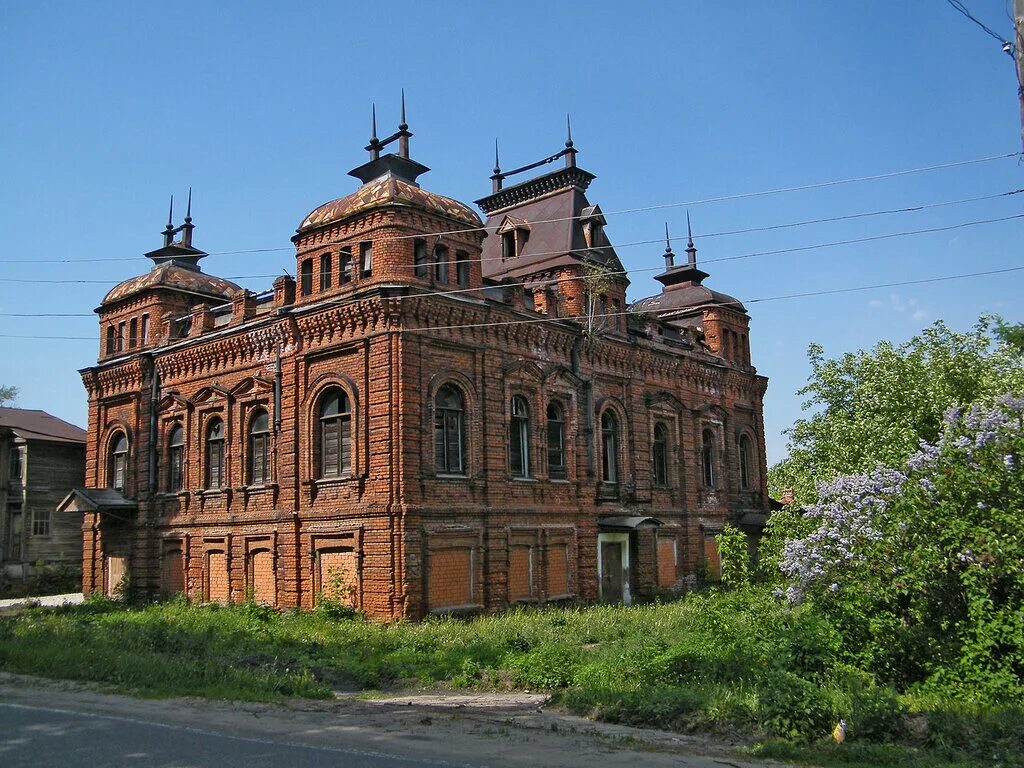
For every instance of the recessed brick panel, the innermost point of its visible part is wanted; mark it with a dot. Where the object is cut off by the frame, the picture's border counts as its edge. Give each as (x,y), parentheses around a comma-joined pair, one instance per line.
(337,575)
(666,562)
(217,581)
(262,579)
(521,572)
(450,579)
(558,570)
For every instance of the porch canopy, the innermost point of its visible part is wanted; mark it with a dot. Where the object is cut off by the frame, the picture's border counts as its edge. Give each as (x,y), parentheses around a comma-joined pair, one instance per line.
(106,501)
(626,522)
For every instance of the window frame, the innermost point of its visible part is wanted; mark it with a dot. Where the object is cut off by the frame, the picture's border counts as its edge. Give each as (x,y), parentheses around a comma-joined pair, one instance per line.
(326,265)
(214,455)
(659,455)
(117,461)
(519,438)
(366,258)
(558,471)
(176,458)
(609,439)
(708,458)
(306,277)
(462,273)
(746,462)
(258,445)
(445,418)
(441,261)
(343,419)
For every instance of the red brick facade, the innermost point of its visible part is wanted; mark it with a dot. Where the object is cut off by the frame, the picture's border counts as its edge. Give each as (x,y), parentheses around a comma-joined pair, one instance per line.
(353,435)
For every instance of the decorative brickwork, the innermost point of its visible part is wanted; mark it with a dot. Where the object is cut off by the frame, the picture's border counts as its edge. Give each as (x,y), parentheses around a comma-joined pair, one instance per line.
(352,436)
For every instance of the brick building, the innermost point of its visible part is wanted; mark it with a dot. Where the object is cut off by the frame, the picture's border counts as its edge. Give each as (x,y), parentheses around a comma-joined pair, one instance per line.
(437,415)
(41,459)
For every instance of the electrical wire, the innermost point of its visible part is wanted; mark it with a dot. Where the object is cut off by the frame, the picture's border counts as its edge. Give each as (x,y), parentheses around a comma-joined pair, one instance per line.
(761,300)
(704,201)
(959,6)
(779,251)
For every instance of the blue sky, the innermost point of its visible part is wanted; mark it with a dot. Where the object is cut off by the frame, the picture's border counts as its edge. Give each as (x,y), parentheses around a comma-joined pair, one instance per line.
(263,108)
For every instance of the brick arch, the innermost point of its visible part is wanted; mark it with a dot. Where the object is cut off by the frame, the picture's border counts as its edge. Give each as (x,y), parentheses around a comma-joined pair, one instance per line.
(310,417)
(107,441)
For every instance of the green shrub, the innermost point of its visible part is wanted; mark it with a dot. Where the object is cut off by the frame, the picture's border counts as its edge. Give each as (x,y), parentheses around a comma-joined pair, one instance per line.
(793,708)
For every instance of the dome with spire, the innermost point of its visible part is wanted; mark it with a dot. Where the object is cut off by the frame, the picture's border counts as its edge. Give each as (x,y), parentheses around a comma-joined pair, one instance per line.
(389,180)
(171,276)
(684,290)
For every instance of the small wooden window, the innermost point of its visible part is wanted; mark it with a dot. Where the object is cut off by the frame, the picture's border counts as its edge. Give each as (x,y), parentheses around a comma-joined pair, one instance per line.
(306,277)
(659,456)
(420,256)
(144,331)
(133,333)
(119,462)
(175,459)
(259,448)
(462,269)
(120,337)
(556,442)
(366,257)
(41,521)
(344,266)
(335,435)
(111,342)
(519,438)
(325,271)
(746,462)
(449,431)
(707,458)
(441,265)
(215,454)
(609,448)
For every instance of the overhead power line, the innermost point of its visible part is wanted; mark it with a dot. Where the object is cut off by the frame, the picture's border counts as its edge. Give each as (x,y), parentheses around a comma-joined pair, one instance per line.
(776,252)
(703,236)
(642,209)
(760,300)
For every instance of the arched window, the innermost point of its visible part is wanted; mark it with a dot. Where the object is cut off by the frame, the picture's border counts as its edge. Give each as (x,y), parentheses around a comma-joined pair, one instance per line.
(707,458)
(259,448)
(449,431)
(659,451)
(746,462)
(519,438)
(609,447)
(215,454)
(175,459)
(335,435)
(119,461)
(556,442)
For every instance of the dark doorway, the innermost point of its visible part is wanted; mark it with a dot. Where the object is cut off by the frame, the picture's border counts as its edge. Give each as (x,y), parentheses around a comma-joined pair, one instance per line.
(611,571)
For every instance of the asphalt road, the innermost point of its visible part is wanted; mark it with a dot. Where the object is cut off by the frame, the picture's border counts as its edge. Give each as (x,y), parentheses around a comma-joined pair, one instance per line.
(39,736)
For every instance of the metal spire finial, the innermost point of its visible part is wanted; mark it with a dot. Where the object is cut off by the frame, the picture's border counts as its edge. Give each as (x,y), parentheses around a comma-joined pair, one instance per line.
(170,214)
(568,131)
(403,125)
(670,258)
(691,249)
(188,210)
(373,121)
(497,165)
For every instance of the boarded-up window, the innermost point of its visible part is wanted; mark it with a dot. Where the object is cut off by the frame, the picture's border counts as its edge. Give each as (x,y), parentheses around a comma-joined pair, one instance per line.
(450,579)
(520,572)
(117,575)
(666,562)
(558,570)
(172,570)
(217,589)
(262,579)
(337,576)
(712,564)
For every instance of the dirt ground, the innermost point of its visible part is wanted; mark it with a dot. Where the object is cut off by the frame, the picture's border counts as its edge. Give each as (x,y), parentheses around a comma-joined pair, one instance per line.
(480,729)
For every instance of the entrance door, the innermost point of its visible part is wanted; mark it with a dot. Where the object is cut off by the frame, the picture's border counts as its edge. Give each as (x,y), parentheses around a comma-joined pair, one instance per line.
(14,533)
(611,571)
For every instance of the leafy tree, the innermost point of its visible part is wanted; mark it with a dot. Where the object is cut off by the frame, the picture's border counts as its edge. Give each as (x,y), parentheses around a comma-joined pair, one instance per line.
(7,393)
(921,568)
(875,407)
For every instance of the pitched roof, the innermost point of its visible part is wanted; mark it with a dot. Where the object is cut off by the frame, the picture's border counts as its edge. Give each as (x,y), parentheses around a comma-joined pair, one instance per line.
(39,425)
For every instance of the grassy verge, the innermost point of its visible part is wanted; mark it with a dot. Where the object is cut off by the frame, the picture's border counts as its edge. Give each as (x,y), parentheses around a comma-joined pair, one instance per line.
(735,664)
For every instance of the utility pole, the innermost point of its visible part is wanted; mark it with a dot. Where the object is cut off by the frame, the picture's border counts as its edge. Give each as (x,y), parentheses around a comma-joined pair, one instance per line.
(1018,39)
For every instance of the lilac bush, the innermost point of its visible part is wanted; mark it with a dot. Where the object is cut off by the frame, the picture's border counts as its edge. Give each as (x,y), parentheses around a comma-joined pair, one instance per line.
(922,569)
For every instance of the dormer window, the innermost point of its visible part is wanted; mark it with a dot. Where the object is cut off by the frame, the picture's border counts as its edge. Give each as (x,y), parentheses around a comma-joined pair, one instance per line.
(593,221)
(514,233)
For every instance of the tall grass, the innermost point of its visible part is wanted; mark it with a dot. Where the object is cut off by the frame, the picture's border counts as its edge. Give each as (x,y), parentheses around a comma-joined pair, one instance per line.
(733,662)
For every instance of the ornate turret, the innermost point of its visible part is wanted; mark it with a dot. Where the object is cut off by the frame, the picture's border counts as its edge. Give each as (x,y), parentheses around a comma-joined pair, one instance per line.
(181,253)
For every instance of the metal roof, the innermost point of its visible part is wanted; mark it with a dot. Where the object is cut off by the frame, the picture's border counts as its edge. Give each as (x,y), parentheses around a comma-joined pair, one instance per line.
(39,425)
